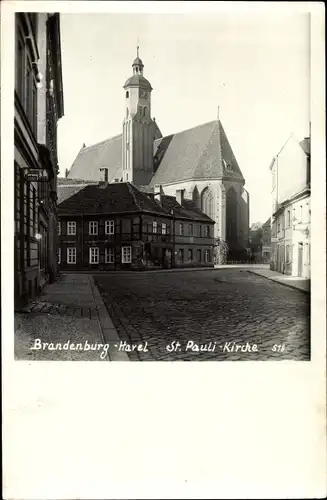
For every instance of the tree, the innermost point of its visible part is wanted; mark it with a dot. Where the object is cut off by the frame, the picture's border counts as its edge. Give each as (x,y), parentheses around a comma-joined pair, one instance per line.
(220,251)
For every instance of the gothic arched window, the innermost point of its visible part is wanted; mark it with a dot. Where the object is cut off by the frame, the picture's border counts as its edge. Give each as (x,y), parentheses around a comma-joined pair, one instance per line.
(207,205)
(196,197)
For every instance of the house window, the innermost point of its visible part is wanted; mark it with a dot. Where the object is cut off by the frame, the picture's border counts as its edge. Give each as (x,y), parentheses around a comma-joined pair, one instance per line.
(301,213)
(127,94)
(163,228)
(181,229)
(198,258)
(93,227)
(109,256)
(288,218)
(207,255)
(154,226)
(94,255)
(190,254)
(59,255)
(110,227)
(71,255)
(71,228)
(190,229)
(278,227)
(59,228)
(144,111)
(207,231)
(126,253)
(181,255)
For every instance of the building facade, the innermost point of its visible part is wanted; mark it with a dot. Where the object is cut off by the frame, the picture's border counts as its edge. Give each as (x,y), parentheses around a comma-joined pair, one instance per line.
(38,107)
(199,161)
(291,209)
(115,226)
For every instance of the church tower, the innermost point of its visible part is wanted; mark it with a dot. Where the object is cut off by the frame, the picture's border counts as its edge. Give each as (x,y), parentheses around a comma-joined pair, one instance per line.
(139,130)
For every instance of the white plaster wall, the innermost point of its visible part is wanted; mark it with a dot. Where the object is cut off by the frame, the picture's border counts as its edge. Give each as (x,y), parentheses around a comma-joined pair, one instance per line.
(300,224)
(292,170)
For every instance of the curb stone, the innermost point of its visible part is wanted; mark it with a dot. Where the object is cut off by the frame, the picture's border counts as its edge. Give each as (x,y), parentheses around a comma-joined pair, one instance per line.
(108,331)
(279,282)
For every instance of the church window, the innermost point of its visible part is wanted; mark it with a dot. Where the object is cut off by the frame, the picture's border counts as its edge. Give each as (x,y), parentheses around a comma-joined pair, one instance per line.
(127,94)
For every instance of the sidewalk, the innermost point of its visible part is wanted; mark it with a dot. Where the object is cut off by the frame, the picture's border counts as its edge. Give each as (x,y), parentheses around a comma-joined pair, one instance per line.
(302,284)
(68,321)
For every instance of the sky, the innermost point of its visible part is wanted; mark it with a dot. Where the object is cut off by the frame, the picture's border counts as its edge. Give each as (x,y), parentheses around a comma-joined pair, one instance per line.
(255,67)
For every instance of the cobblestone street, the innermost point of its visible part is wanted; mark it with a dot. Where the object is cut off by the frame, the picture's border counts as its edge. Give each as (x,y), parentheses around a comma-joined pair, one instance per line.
(218,306)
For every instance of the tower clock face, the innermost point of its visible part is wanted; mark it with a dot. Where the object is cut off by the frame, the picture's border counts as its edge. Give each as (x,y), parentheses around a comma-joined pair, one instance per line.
(143,93)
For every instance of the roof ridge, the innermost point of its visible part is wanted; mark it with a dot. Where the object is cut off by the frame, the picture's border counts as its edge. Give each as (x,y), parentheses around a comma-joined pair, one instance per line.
(129,187)
(188,129)
(101,142)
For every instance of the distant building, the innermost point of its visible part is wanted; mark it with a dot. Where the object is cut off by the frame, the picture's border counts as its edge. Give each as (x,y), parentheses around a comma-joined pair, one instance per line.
(116,226)
(266,241)
(291,212)
(38,107)
(200,161)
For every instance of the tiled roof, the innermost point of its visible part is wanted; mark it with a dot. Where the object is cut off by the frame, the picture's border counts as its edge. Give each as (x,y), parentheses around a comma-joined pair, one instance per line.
(105,154)
(106,198)
(202,152)
(120,198)
(187,210)
(139,81)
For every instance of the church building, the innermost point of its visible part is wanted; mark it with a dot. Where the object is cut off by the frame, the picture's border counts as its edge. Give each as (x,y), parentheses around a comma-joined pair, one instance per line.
(199,161)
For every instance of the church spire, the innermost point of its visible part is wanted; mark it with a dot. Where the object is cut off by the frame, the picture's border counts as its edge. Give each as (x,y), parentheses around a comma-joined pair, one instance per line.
(137,64)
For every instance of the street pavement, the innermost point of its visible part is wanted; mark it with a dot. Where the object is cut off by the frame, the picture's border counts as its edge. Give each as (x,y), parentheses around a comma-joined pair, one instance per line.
(207,315)
(65,323)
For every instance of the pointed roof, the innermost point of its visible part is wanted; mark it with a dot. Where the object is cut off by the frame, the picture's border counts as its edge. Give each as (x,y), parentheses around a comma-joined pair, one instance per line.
(202,152)
(105,154)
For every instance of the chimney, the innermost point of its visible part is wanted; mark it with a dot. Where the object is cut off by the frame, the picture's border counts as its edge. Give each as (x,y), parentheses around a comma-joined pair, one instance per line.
(180,196)
(158,192)
(105,177)
(66,173)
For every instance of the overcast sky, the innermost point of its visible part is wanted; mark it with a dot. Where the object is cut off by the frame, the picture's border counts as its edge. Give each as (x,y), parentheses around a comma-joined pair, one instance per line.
(255,67)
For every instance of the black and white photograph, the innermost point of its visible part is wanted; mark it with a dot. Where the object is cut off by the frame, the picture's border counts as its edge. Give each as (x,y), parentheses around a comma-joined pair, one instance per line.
(162,187)
(163,199)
